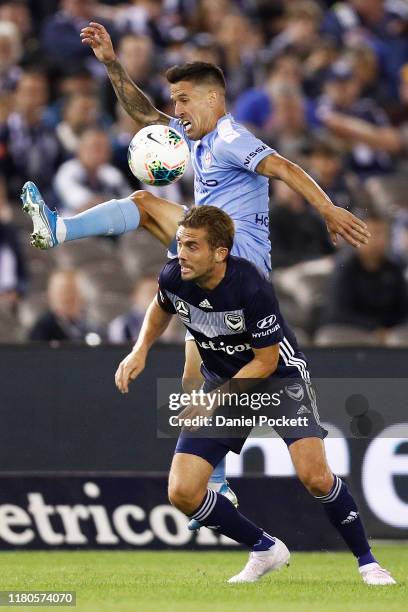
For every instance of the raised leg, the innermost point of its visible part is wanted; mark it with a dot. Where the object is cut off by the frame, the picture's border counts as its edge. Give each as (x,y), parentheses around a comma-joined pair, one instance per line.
(160,217)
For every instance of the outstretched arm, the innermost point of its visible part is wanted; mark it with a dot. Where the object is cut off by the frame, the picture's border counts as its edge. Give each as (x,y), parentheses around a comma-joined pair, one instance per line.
(154,324)
(340,222)
(133,100)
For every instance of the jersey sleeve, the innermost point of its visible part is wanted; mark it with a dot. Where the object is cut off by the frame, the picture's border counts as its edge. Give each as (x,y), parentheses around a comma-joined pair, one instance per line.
(239,148)
(178,126)
(162,299)
(262,318)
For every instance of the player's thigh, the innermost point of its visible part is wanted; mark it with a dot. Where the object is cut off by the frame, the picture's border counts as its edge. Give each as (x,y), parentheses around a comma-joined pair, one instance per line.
(159,216)
(192,377)
(189,476)
(310,462)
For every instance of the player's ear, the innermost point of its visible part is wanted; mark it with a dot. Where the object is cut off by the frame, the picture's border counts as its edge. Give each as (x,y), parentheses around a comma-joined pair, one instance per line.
(221,254)
(212,97)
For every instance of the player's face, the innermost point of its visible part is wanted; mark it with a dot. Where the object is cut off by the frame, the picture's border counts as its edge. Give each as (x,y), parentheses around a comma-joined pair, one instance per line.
(198,106)
(198,261)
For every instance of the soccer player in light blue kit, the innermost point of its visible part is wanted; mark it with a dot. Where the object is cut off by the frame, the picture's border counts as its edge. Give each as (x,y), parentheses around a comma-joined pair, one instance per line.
(231,168)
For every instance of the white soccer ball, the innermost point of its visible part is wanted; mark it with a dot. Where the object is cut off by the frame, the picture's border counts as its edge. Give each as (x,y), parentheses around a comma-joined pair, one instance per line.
(158,155)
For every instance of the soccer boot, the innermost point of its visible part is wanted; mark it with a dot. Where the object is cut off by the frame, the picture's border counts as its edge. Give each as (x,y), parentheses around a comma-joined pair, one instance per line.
(193,525)
(263,562)
(375,575)
(44,220)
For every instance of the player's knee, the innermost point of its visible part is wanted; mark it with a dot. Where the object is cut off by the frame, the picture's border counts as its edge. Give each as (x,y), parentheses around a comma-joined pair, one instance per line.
(140,196)
(141,199)
(184,497)
(317,482)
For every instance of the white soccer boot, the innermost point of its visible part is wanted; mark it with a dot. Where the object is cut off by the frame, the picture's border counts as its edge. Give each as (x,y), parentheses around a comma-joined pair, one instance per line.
(263,562)
(375,575)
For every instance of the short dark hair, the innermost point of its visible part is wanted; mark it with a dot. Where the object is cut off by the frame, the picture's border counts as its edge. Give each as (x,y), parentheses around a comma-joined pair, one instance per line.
(197,72)
(218,225)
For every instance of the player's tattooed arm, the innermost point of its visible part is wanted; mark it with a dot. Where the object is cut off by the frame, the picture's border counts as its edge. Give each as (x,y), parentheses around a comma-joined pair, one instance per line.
(339,222)
(133,100)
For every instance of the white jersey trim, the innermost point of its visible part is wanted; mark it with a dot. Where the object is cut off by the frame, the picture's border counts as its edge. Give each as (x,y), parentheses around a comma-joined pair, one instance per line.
(226,132)
(287,353)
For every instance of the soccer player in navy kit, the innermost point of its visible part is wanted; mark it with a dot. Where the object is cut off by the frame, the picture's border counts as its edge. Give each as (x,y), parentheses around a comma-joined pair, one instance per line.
(243,336)
(231,169)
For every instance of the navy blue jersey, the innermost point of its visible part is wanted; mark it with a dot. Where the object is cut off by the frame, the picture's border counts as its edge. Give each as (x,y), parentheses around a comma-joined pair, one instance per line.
(240,314)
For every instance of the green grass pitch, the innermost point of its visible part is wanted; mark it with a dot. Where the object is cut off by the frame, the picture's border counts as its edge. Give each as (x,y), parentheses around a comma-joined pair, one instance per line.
(183,581)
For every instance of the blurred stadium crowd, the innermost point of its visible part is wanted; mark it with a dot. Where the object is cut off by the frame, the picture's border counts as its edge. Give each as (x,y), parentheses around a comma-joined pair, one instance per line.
(324,83)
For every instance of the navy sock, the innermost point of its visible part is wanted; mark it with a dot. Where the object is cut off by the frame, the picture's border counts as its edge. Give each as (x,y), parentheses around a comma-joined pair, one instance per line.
(218,512)
(343,514)
(265,543)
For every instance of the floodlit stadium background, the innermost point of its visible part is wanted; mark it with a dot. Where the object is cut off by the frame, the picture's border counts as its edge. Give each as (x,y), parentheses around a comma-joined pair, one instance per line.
(289,66)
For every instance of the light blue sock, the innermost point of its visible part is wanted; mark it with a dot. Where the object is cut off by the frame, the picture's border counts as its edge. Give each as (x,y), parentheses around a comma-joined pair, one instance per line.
(218,474)
(108,219)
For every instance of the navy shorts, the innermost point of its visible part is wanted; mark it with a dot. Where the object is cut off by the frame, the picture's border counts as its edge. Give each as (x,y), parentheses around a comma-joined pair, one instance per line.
(298,398)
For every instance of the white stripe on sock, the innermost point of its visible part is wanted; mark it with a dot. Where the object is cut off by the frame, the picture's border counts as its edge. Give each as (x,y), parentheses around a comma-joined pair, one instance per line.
(208,506)
(205,504)
(60,230)
(331,496)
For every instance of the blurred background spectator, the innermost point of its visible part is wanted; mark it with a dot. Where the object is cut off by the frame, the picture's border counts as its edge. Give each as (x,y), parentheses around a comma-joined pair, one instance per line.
(342,93)
(13,269)
(21,14)
(380,23)
(10,54)
(323,82)
(89,178)
(368,295)
(254,106)
(64,319)
(126,327)
(28,146)
(301,30)
(297,232)
(81,111)
(326,164)
(60,34)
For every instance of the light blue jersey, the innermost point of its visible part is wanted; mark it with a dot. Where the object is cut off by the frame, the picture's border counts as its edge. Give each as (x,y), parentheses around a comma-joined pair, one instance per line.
(224,163)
